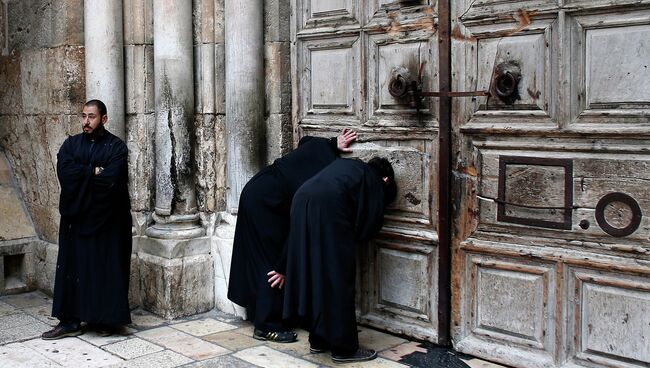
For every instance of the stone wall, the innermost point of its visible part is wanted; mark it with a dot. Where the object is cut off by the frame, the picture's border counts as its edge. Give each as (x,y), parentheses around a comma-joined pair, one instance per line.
(42,79)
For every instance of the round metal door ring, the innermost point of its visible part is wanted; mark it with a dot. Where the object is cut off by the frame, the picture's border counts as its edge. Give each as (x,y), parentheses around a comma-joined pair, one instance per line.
(634,220)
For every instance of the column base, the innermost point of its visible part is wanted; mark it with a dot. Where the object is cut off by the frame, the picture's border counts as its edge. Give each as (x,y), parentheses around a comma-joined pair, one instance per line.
(222,245)
(176,287)
(175,227)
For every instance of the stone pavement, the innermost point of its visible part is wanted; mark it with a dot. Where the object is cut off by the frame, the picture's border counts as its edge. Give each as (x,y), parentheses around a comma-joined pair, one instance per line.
(212,339)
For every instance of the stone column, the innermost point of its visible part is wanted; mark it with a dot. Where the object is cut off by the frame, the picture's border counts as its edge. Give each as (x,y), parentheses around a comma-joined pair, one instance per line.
(105,59)
(176,267)
(244,93)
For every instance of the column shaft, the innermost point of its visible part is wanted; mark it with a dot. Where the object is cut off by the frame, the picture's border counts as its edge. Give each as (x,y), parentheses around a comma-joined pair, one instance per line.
(244,93)
(105,59)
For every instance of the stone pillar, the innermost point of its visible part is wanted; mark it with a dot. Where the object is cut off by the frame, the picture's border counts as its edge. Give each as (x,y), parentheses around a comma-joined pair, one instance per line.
(244,93)
(176,268)
(105,59)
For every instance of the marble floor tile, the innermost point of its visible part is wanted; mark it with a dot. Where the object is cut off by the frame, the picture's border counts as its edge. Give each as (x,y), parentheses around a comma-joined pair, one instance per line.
(145,319)
(202,327)
(324,359)
(225,361)
(397,352)
(132,348)
(478,363)
(232,340)
(27,300)
(97,340)
(15,320)
(162,359)
(43,313)
(267,357)
(18,355)
(6,309)
(72,352)
(183,343)
(379,341)
(23,332)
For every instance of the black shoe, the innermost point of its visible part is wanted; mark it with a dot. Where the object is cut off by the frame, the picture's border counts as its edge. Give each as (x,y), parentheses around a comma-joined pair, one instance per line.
(315,349)
(275,336)
(102,330)
(62,330)
(361,355)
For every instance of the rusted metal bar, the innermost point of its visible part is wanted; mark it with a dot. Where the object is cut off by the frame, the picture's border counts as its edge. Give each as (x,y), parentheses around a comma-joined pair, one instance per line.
(444,174)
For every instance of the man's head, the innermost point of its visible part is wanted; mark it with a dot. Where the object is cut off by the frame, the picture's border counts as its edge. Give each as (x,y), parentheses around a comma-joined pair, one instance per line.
(383,167)
(93,116)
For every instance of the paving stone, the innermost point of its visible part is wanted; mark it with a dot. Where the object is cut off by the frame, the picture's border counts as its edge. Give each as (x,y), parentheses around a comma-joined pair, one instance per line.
(132,348)
(478,363)
(379,341)
(225,361)
(18,355)
(397,352)
(27,300)
(20,328)
(97,340)
(267,357)
(232,340)
(6,309)
(145,319)
(202,327)
(325,359)
(183,343)
(73,352)
(163,359)
(42,313)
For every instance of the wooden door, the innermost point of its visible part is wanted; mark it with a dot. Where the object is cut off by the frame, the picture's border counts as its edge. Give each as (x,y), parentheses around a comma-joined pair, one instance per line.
(344,54)
(551,255)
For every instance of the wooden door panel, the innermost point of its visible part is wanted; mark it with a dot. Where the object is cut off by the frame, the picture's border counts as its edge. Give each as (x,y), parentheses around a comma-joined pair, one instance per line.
(329,69)
(552,187)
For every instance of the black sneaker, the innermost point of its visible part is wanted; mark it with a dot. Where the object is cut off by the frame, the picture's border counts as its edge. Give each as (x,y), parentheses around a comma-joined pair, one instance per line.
(62,330)
(316,349)
(361,355)
(275,336)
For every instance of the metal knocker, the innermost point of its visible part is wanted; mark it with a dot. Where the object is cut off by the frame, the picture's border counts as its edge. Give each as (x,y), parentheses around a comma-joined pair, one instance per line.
(505,82)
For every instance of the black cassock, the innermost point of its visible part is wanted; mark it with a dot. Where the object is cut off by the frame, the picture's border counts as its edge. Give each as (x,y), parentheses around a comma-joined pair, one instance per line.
(339,208)
(263,225)
(92,272)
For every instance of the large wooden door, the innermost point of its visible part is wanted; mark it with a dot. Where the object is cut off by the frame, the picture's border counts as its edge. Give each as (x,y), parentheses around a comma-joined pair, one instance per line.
(551,258)
(344,54)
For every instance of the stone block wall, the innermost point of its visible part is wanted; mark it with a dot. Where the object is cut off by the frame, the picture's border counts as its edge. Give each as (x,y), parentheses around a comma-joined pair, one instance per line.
(42,79)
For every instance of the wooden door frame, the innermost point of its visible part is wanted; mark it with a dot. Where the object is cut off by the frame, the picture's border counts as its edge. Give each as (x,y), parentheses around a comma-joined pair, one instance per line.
(444,173)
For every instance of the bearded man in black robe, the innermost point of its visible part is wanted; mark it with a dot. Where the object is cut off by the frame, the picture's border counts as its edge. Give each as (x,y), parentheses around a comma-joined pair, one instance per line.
(339,208)
(92,270)
(259,249)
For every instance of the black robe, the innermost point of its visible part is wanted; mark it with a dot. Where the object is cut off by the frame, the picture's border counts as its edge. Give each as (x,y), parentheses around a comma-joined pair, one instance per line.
(263,225)
(339,208)
(92,271)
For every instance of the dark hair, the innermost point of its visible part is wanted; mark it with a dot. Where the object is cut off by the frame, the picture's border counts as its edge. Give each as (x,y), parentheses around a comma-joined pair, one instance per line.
(99,105)
(383,167)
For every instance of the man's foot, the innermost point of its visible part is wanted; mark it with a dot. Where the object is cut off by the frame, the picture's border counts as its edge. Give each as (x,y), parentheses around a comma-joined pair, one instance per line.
(361,355)
(62,330)
(102,330)
(316,349)
(275,336)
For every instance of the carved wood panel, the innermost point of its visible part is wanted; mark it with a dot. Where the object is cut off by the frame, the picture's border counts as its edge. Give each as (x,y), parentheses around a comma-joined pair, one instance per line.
(552,178)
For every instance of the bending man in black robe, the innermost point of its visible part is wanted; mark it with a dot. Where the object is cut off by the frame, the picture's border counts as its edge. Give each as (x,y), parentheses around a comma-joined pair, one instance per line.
(259,251)
(92,270)
(340,207)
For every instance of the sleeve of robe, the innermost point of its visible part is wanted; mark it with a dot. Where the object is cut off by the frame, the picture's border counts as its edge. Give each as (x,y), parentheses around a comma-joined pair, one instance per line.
(370,208)
(74,178)
(109,187)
